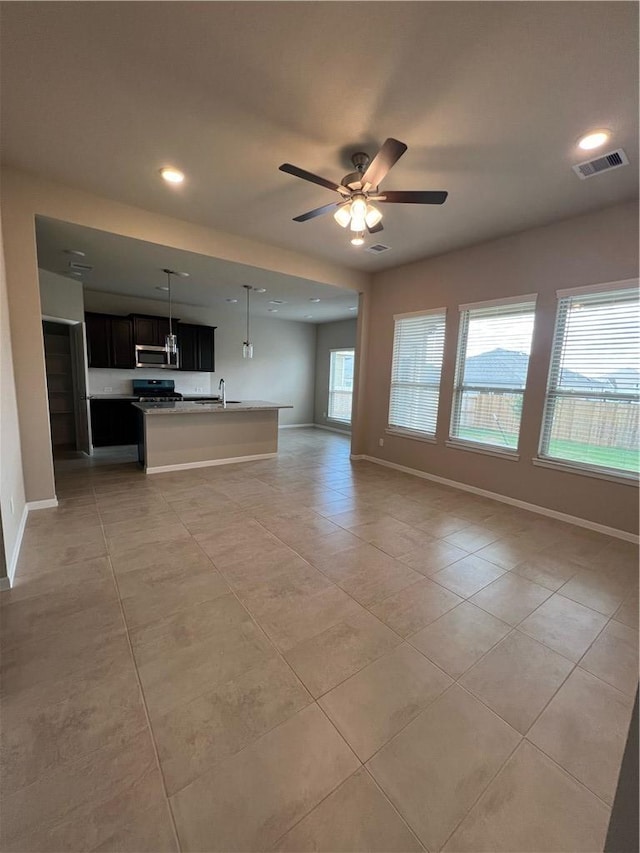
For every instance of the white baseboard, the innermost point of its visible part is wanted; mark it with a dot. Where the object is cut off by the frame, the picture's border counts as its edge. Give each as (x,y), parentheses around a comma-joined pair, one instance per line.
(333,429)
(356,457)
(294,426)
(13,562)
(49,503)
(208,463)
(541,510)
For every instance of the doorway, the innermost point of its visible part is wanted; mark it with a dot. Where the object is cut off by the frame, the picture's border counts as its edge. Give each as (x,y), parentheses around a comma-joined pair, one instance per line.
(66,386)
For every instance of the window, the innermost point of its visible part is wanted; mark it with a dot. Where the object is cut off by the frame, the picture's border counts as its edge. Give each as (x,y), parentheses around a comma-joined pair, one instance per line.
(491,372)
(418,347)
(341,385)
(591,413)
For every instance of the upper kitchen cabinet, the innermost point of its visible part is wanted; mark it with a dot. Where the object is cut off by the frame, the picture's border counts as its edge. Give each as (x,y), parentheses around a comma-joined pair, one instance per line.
(109,341)
(122,343)
(150,331)
(196,346)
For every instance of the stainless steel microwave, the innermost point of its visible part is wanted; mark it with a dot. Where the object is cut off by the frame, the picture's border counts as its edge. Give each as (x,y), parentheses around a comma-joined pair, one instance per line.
(148,356)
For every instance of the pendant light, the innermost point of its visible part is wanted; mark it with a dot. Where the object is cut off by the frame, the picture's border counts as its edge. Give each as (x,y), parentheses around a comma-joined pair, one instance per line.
(247,346)
(171,340)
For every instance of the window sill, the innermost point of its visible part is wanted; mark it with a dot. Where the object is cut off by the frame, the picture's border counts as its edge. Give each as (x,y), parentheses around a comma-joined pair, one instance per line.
(511,455)
(338,421)
(415,436)
(622,479)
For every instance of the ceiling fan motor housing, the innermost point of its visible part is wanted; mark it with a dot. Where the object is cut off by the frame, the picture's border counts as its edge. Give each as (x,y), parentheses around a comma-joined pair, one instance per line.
(353,180)
(360,160)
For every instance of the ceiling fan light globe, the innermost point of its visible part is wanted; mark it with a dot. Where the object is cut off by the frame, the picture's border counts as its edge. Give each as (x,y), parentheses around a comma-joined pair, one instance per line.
(358,208)
(357,223)
(358,239)
(342,216)
(373,216)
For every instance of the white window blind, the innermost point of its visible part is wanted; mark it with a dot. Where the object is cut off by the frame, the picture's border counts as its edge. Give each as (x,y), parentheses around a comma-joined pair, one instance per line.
(494,343)
(592,407)
(341,385)
(418,348)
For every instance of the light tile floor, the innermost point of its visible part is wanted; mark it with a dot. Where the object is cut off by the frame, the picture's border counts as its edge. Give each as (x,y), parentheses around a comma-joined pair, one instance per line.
(310,654)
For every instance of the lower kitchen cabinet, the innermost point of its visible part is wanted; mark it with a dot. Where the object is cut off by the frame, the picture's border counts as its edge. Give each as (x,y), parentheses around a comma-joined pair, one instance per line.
(113,422)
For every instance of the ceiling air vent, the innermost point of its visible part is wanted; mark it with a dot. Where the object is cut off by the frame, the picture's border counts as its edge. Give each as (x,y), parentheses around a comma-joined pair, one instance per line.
(74,265)
(613,160)
(378,248)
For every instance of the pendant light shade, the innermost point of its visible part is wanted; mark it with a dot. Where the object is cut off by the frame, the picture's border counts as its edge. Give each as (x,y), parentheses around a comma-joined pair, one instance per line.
(247,346)
(170,340)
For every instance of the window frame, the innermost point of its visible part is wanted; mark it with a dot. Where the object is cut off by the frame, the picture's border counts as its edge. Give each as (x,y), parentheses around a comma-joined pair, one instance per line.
(459,388)
(552,393)
(331,392)
(407,432)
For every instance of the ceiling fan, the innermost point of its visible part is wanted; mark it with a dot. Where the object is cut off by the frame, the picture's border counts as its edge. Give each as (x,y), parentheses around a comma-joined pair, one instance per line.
(358,189)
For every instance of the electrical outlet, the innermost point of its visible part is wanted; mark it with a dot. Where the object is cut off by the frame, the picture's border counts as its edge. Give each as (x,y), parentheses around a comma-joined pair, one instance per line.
(107,389)
(381,442)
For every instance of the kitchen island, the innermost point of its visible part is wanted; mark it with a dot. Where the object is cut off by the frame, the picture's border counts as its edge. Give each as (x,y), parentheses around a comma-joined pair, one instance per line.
(178,435)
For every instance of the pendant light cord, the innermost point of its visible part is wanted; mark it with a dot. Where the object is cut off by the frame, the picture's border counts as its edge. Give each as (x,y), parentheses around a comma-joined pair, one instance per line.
(248,338)
(169,287)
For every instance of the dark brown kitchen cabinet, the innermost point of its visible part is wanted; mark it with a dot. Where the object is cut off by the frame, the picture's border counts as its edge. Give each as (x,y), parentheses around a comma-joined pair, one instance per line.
(98,334)
(122,343)
(197,347)
(109,341)
(150,331)
(113,422)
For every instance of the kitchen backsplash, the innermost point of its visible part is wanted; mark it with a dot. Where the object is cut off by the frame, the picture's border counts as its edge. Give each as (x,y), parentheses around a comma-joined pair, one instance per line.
(104,381)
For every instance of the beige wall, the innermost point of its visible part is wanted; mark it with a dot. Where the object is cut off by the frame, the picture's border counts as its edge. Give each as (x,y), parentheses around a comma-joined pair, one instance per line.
(591,249)
(12,498)
(281,372)
(23,197)
(339,335)
(61,296)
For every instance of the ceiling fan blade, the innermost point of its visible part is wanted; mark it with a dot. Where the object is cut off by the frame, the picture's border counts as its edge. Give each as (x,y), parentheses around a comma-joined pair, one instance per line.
(315,179)
(391,151)
(414,197)
(375,228)
(311,214)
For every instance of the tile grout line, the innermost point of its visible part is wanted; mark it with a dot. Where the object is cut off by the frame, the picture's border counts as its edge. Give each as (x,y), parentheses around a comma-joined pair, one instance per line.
(142,696)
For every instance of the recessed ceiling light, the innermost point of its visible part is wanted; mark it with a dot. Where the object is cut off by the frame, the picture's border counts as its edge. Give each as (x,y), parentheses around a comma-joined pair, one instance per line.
(272,310)
(171,175)
(259,289)
(76,252)
(231,300)
(308,316)
(593,140)
(162,288)
(314,300)
(353,308)
(277,302)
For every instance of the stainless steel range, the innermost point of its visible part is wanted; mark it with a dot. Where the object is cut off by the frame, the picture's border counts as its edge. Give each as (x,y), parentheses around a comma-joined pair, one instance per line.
(155,390)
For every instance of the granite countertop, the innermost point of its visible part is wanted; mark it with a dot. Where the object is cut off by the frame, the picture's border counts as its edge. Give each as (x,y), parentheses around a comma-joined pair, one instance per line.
(132,397)
(111,397)
(186,408)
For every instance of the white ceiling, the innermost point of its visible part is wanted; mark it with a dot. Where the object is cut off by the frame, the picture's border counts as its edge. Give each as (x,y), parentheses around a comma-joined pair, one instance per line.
(134,268)
(490,98)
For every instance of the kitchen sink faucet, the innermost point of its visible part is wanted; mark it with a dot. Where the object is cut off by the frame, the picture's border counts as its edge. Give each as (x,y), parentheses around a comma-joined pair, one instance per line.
(221,387)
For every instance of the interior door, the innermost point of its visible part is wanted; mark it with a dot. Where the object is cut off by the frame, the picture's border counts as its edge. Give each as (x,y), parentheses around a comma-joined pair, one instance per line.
(80,385)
